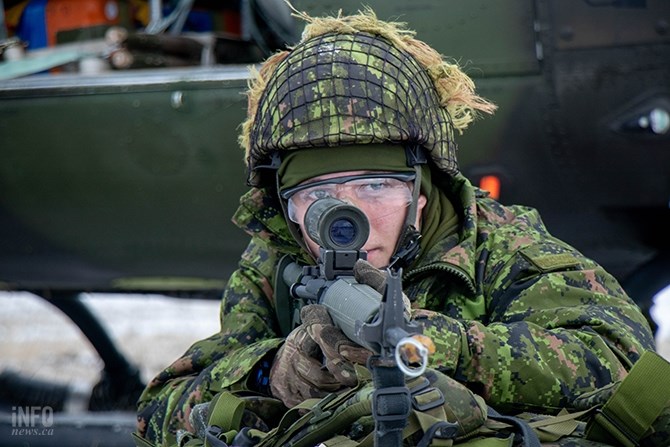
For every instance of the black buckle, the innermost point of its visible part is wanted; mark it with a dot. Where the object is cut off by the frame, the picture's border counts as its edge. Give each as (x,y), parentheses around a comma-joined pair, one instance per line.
(414,155)
(417,385)
(395,398)
(440,430)
(439,401)
(245,439)
(273,163)
(212,434)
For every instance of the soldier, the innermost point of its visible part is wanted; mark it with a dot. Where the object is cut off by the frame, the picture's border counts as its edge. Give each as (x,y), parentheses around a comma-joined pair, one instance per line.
(363,111)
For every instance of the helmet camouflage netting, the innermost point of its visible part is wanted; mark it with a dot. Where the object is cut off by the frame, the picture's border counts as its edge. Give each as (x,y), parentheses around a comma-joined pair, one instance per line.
(357,80)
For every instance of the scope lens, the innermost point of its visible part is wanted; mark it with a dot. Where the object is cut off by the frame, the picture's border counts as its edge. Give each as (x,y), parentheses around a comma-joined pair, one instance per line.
(343,232)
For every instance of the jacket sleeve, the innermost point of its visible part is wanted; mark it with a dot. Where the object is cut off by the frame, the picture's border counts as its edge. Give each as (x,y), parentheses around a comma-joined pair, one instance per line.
(556,325)
(248,333)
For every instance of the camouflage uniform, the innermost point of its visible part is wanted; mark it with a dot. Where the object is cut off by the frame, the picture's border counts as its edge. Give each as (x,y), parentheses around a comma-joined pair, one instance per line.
(521,318)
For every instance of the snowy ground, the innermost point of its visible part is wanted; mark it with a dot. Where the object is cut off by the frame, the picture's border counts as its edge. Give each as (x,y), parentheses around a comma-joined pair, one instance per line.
(150,330)
(38,340)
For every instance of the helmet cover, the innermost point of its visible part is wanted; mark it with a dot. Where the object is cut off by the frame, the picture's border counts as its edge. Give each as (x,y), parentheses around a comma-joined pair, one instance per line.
(354,85)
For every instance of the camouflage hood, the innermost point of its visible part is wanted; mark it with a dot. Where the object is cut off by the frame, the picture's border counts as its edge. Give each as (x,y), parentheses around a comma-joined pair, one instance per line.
(260,214)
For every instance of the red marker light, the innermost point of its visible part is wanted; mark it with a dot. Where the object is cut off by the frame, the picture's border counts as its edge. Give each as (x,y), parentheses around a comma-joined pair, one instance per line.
(491,183)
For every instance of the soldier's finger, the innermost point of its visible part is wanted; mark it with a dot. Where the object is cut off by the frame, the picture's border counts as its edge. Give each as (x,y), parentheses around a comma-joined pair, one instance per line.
(366,273)
(328,337)
(315,374)
(315,314)
(303,342)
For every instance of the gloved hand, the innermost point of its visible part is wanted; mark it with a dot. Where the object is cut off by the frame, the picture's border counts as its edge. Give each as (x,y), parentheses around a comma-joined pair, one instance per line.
(315,359)
(200,415)
(366,273)
(297,373)
(338,351)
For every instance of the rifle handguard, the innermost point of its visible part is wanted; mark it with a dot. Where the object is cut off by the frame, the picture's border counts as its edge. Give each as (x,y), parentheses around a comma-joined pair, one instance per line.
(347,302)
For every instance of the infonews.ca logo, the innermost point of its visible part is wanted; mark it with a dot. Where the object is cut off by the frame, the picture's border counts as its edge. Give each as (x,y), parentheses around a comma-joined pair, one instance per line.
(32,421)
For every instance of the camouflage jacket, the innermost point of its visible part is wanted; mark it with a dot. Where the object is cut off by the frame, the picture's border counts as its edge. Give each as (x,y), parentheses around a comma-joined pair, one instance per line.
(518,316)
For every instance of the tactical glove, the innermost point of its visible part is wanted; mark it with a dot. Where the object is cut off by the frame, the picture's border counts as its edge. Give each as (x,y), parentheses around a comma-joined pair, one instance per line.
(297,373)
(339,352)
(366,273)
(316,359)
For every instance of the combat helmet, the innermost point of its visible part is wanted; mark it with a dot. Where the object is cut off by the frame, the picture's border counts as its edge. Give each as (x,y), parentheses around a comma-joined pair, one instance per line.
(355,80)
(358,82)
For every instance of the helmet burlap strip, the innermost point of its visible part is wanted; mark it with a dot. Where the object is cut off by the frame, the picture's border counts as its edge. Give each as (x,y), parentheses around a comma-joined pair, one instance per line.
(358,80)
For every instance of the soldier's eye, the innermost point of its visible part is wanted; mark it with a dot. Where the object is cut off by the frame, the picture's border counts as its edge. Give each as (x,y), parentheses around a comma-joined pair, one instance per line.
(316,194)
(375,186)
(382,185)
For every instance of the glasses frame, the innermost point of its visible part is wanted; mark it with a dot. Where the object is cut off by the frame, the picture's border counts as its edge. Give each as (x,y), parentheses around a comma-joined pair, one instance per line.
(402,176)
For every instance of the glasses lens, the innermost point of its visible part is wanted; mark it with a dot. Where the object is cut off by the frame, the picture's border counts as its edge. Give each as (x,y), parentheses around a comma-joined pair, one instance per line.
(375,191)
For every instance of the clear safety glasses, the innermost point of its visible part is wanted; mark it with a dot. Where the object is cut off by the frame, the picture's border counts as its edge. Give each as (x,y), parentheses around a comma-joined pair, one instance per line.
(376,194)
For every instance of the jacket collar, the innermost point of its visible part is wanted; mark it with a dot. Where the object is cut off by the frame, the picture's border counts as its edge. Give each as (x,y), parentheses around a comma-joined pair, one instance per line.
(456,254)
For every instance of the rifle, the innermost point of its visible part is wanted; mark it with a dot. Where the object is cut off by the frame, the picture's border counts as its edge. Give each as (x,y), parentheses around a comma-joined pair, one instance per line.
(367,317)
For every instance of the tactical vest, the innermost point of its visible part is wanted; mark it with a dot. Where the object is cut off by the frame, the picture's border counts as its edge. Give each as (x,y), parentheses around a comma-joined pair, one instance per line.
(633,412)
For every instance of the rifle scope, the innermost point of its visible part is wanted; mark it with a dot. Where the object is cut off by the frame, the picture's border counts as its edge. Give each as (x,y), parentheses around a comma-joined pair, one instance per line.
(336,225)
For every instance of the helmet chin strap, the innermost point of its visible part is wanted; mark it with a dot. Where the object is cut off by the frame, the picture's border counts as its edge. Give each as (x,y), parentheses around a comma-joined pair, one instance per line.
(407,247)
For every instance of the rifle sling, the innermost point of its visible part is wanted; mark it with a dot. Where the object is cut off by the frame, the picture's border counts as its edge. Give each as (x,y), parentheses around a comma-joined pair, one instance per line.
(635,405)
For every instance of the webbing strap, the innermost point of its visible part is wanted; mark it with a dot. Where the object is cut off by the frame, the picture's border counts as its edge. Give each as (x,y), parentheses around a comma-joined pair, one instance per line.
(556,427)
(489,442)
(323,415)
(339,441)
(391,404)
(226,414)
(431,426)
(635,405)
(530,438)
(327,427)
(283,300)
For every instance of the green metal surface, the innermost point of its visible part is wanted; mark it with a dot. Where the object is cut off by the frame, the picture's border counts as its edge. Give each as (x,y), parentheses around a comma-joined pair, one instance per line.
(138,172)
(492,38)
